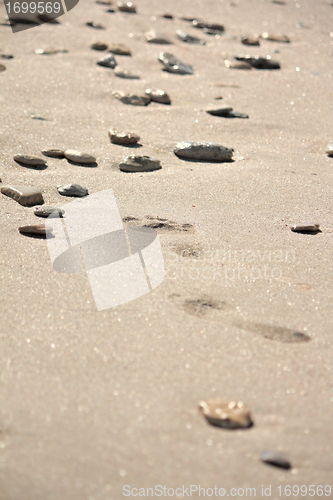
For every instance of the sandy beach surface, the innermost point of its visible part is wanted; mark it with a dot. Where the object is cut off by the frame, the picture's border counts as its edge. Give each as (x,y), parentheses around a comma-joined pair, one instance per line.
(92,401)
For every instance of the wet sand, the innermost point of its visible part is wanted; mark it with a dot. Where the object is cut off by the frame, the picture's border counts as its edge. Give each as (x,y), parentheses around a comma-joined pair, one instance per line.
(92,401)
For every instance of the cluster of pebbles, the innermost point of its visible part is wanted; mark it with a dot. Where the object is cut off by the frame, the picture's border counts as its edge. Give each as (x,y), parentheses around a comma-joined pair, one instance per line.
(218,412)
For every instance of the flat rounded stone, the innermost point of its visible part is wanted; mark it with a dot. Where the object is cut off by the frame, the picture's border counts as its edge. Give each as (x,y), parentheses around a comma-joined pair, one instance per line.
(40,229)
(78,157)
(250,40)
(99,46)
(2,67)
(276,458)
(139,164)
(203,151)
(306,228)
(167,15)
(50,52)
(227,414)
(153,37)
(72,190)
(26,196)
(6,56)
(119,49)
(54,153)
(185,37)
(135,100)
(259,62)
(126,7)
(329,149)
(237,64)
(275,37)
(122,138)
(158,96)
(51,212)
(174,65)
(124,73)
(97,26)
(29,160)
(226,113)
(198,23)
(108,61)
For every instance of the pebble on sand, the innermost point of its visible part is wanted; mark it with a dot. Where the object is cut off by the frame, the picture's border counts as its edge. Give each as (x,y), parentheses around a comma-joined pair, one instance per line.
(125,73)
(259,62)
(120,49)
(237,64)
(185,37)
(226,113)
(227,414)
(167,15)
(99,46)
(108,61)
(174,65)
(30,160)
(198,23)
(153,37)
(78,157)
(276,458)
(50,52)
(135,100)
(39,229)
(126,7)
(72,190)
(97,26)
(329,149)
(2,67)
(26,196)
(139,164)
(275,37)
(158,96)
(123,138)
(45,211)
(54,153)
(250,40)
(306,228)
(203,151)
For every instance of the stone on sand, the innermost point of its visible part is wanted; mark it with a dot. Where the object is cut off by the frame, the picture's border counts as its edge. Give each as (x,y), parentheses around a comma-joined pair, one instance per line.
(203,151)
(123,138)
(135,100)
(39,229)
(26,196)
(174,65)
(227,414)
(30,160)
(139,164)
(158,96)
(78,157)
(72,190)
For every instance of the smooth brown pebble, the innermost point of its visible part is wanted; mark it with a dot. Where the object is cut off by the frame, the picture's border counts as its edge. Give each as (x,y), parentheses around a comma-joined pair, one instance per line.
(78,157)
(305,228)
(40,229)
(26,196)
(99,46)
(29,160)
(2,67)
(126,7)
(119,49)
(227,414)
(54,153)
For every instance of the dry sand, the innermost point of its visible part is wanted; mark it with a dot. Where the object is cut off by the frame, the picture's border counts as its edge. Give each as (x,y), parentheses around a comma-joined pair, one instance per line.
(92,401)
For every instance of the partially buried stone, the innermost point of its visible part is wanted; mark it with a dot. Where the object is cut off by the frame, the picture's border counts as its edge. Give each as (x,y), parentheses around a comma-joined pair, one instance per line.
(72,190)
(38,229)
(126,7)
(198,23)
(122,138)
(329,149)
(259,62)
(135,100)
(139,164)
(250,40)
(2,67)
(275,37)
(158,96)
(97,26)
(160,38)
(272,457)
(78,157)
(29,160)
(26,196)
(185,37)
(167,15)
(306,228)
(119,49)
(124,73)
(54,153)
(174,65)
(203,151)
(226,113)
(50,52)
(6,56)
(108,61)
(99,46)
(227,414)
(51,212)
(237,65)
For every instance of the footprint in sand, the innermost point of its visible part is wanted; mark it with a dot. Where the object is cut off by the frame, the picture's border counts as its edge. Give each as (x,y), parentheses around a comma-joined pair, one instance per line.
(158,223)
(277,333)
(202,306)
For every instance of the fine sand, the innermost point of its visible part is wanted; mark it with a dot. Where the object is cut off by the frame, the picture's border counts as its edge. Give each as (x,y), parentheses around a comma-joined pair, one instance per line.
(92,401)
